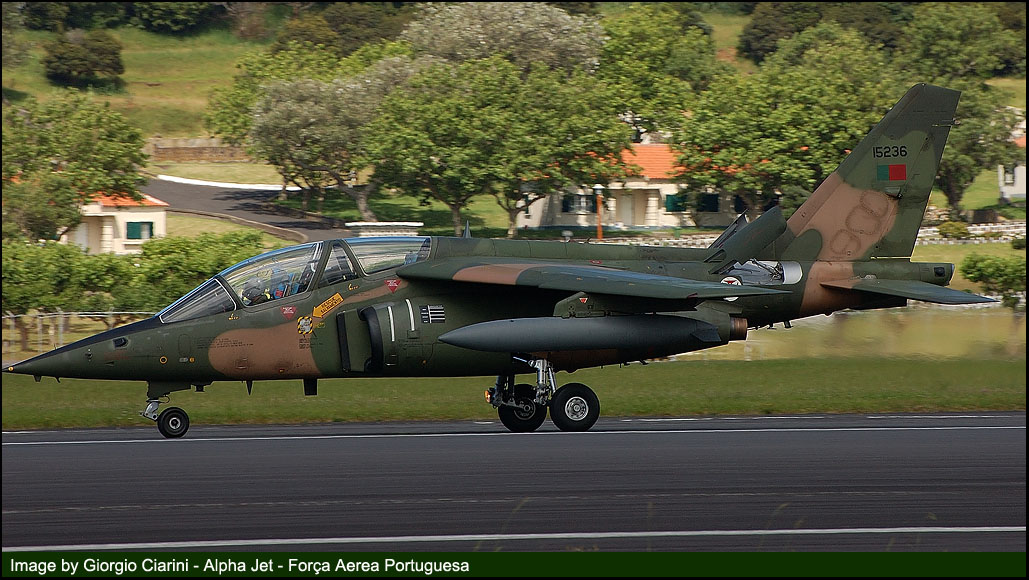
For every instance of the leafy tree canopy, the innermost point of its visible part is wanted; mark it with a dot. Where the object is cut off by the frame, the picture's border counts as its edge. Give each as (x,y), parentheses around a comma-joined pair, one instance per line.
(62,152)
(79,58)
(312,131)
(1002,276)
(655,55)
(955,40)
(807,105)
(230,110)
(525,33)
(173,17)
(480,128)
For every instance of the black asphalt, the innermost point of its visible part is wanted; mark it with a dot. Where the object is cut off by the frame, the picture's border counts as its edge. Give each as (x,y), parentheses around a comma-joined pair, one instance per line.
(242,204)
(953,482)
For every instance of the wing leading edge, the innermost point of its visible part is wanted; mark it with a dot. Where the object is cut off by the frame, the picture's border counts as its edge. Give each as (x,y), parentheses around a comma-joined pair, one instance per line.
(574,278)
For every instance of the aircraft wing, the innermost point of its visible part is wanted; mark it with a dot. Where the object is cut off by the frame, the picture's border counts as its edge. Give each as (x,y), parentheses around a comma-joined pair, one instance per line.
(912,289)
(574,278)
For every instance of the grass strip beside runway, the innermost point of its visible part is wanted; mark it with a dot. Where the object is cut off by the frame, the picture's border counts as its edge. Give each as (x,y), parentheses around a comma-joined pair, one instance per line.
(790,386)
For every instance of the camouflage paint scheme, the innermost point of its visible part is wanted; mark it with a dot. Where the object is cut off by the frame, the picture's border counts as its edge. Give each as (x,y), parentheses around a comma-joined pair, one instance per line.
(469,307)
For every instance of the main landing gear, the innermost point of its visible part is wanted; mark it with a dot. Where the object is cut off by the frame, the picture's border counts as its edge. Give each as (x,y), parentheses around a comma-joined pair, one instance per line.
(523,407)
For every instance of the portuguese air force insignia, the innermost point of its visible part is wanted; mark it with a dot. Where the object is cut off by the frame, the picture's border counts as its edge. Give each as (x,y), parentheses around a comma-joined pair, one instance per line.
(893,172)
(732,281)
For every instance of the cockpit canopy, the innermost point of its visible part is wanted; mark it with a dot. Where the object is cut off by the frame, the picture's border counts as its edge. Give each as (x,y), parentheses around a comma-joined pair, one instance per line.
(294,270)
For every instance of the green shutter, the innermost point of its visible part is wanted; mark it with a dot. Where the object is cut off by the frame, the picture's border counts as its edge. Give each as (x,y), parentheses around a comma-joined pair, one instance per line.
(139,230)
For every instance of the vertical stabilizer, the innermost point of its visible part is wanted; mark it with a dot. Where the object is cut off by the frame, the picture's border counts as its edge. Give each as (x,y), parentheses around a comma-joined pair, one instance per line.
(872,205)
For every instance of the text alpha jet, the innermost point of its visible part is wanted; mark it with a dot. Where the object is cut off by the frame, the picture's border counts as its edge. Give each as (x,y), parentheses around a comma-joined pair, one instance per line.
(441,307)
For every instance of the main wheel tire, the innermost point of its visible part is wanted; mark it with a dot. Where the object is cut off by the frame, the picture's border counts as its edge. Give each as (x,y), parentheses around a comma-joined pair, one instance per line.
(575,407)
(173,422)
(528,415)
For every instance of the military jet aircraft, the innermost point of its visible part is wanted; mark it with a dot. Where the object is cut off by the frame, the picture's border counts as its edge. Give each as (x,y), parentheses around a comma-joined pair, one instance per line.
(437,306)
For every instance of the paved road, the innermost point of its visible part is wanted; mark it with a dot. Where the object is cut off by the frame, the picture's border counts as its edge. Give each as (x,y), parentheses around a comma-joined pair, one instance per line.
(811,483)
(243,204)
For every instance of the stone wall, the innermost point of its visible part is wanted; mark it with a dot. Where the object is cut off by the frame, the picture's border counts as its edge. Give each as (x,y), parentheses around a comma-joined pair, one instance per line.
(161,149)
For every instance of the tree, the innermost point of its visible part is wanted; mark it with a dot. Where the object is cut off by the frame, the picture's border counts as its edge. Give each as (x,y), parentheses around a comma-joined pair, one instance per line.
(808,104)
(62,152)
(525,33)
(1012,17)
(772,22)
(980,139)
(307,28)
(881,23)
(172,17)
(359,23)
(38,277)
(457,132)
(313,131)
(560,136)
(42,209)
(14,50)
(45,15)
(230,111)
(958,49)
(80,58)
(948,40)
(655,56)
(61,16)
(999,276)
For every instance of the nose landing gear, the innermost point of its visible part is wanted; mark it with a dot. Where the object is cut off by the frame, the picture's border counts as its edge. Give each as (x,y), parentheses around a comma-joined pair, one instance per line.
(173,422)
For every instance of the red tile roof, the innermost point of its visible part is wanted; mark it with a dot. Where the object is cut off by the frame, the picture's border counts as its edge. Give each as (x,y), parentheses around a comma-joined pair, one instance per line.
(116,201)
(656,159)
(1020,141)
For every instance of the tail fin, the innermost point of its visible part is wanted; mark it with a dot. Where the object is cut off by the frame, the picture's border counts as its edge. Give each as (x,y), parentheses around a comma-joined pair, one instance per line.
(872,205)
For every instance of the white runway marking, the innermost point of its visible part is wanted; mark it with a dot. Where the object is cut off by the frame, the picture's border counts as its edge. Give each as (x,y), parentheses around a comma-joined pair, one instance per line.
(507,434)
(509,537)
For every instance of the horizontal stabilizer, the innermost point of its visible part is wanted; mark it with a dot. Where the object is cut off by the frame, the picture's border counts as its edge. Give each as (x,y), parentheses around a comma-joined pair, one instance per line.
(911,289)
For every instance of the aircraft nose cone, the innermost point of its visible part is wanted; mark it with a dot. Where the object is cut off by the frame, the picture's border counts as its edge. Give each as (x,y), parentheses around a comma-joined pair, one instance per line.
(51,364)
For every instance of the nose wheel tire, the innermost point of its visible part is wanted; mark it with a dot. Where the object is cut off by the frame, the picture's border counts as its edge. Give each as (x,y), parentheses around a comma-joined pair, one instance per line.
(574,407)
(528,415)
(173,422)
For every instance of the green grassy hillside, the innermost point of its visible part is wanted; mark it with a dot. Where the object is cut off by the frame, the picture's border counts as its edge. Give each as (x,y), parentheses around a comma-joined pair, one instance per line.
(167,80)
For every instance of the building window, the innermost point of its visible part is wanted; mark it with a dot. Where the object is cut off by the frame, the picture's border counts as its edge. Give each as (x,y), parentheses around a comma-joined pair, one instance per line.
(676,202)
(579,203)
(708,203)
(139,230)
(1009,175)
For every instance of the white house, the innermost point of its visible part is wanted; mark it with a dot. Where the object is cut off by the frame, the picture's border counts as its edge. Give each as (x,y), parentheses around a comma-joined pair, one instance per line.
(1011,176)
(653,198)
(118,224)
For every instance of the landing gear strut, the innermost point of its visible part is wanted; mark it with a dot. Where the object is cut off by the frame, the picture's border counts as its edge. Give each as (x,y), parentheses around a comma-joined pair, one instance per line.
(523,407)
(173,422)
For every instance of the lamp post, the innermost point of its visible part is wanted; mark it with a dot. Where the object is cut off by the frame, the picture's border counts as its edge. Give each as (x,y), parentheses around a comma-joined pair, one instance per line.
(598,189)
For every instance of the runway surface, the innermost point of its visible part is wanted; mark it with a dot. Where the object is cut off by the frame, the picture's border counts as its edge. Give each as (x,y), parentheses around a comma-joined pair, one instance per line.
(857,482)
